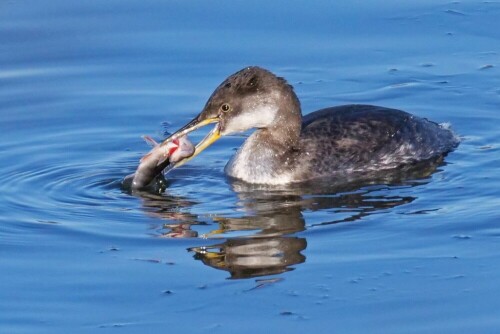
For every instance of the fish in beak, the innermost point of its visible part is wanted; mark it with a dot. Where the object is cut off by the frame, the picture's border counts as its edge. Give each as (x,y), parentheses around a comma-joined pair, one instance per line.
(195,124)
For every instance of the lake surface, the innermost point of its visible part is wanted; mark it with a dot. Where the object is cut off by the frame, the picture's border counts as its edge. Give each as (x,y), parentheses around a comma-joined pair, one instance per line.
(80,82)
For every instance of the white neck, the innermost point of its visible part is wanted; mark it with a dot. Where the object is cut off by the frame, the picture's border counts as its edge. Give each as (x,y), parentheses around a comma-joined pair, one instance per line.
(256,162)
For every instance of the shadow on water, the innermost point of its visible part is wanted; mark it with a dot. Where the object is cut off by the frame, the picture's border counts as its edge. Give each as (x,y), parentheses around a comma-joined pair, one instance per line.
(271,217)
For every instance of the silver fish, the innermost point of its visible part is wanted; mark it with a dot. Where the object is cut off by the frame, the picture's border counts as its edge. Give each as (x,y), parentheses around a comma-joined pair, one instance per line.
(153,163)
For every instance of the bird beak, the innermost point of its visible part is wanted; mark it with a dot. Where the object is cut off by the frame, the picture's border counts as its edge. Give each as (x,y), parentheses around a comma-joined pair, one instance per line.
(210,138)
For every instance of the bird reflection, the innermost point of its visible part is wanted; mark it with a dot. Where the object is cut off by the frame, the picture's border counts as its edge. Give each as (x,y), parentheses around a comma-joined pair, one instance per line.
(253,257)
(261,241)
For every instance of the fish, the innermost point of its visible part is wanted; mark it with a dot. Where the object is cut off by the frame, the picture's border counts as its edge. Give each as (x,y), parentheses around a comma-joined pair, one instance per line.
(155,161)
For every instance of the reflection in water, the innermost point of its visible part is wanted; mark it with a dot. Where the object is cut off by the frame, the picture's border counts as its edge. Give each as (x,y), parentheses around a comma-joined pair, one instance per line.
(179,231)
(253,257)
(271,215)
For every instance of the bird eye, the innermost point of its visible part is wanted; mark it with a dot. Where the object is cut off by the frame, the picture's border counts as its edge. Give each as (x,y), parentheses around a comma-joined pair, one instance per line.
(225,107)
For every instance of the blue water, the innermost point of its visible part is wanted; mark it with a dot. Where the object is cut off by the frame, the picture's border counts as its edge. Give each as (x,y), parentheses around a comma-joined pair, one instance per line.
(80,82)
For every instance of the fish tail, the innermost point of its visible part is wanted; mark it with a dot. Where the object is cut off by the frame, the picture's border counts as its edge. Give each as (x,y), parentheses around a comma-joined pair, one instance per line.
(150,141)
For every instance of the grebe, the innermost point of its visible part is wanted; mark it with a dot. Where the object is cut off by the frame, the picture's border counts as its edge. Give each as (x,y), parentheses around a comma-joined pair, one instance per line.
(289,148)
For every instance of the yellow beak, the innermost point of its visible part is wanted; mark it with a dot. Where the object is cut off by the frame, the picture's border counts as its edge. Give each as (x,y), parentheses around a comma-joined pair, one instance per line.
(211,137)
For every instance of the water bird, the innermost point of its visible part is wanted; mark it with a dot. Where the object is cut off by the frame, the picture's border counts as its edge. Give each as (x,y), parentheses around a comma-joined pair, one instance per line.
(290,148)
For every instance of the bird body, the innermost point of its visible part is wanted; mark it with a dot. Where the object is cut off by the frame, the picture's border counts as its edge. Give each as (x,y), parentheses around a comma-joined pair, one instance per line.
(339,140)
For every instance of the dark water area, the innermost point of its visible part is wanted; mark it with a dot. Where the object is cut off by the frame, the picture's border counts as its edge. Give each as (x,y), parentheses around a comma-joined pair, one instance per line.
(81,82)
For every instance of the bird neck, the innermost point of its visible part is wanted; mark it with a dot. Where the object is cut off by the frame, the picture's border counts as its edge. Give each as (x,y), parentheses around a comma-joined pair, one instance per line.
(285,129)
(263,158)
(270,154)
